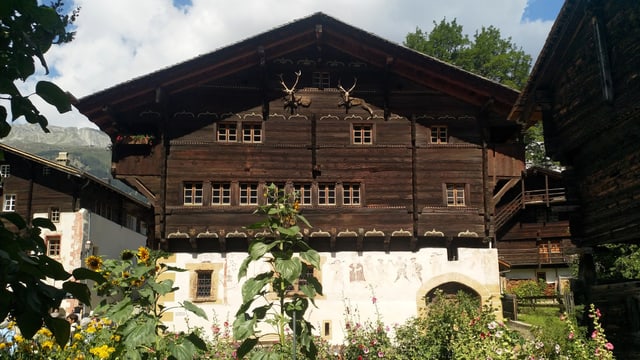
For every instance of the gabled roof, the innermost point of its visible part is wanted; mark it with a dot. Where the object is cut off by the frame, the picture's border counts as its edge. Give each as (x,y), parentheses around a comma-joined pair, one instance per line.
(317,29)
(69,170)
(526,109)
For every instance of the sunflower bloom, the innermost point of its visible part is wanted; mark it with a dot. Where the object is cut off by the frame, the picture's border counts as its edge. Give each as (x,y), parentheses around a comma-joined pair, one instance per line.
(143,254)
(94,262)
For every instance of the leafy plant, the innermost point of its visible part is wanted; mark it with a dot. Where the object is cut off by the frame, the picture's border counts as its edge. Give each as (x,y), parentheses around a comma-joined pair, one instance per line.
(132,295)
(25,294)
(28,32)
(366,339)
(277,245)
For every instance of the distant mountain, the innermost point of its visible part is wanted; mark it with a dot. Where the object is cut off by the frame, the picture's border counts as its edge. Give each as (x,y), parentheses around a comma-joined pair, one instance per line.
(89,149)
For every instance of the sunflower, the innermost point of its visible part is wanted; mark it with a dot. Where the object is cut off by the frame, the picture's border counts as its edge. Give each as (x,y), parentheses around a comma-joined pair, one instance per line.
(127,255)
(143,254)
(93,262)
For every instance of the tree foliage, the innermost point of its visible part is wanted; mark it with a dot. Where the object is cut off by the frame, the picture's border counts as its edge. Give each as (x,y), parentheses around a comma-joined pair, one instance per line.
(27,32)
(25,294)
(488,54)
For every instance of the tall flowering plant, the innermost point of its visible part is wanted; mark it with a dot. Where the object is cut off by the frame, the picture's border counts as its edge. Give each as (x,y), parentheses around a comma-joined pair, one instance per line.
(131,295)
(366,340)
(593,346)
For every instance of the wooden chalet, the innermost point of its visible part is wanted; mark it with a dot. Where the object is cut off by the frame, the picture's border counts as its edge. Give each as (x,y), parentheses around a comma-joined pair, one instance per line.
(91,216)
(585,87)
(34,185)
(394,154)
(532,224)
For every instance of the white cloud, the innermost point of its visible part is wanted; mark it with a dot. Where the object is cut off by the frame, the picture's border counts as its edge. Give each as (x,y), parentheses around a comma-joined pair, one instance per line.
(119,40)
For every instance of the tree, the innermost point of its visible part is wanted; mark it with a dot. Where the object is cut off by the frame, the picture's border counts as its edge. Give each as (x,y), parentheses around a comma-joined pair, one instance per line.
(28,31)
(488,55)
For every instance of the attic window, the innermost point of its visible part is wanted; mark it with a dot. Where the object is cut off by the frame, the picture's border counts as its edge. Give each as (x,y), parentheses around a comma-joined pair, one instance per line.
(362,134)
(227,133)
(439,135)
(5,170)
(321,80)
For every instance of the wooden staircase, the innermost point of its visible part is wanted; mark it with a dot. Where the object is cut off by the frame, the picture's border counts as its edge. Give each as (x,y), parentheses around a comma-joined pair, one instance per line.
(546,196)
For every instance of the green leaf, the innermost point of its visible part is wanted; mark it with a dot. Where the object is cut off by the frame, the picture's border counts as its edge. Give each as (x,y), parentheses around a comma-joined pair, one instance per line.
(15,219)
(141,332)
(289,269)
(79,291)
(60,329)
(43,223)
(52,268)
(246,346)
(242,272)
(290,231)
(86,274)
(259,248)
(312,257)
(197,341)
(253,287)
(5,128)
(182,351)
(195,309)
(243,327)
(162,288)
(52,94)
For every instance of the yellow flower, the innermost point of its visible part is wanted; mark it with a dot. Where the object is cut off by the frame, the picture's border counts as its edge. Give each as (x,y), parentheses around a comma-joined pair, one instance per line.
(78,336)
(47,345)
(103,352)
(91,329)
(3,345)
(19,338)
(94,262)
(115,338)
(46,332)
(143,254)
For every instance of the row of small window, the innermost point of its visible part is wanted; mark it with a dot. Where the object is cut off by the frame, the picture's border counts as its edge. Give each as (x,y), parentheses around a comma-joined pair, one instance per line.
(222,193)
(5,170)
(361,134)
(247,193)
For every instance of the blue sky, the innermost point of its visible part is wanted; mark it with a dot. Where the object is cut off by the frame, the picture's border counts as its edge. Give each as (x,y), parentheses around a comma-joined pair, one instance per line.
(118,40)
(540,9)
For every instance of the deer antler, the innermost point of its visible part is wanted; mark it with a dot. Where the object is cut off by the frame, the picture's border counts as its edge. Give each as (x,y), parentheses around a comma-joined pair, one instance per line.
(355,81)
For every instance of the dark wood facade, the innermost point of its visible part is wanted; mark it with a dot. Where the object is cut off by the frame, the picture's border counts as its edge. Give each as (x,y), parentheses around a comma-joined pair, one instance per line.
(586,89)
(413,162)
(533,222)
(41,186)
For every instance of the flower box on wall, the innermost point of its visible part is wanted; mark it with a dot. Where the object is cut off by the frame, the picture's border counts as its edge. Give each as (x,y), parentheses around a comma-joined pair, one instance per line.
(135,139)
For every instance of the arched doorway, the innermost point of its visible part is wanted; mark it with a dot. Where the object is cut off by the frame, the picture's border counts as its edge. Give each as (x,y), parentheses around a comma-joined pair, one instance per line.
(451,289)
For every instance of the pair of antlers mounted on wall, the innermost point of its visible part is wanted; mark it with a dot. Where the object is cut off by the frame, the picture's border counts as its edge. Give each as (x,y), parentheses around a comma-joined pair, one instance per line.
(292,101)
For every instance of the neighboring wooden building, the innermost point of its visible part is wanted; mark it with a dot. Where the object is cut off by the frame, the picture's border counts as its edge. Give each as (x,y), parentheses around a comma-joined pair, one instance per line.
(395,155)
(91,216)
(585,87)
(532,224)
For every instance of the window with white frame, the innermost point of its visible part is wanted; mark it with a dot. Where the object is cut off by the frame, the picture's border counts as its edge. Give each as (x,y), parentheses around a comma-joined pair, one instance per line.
(303,193)
(220,193)
(248,194)
(53,245)
(5,170)
(439,135)
(46,171)
(351,194)
(252,133)
(192,193)
(9,202)
(132,222)
(362,134)
(227,132)
(455,195)
(326,194)
(54,214)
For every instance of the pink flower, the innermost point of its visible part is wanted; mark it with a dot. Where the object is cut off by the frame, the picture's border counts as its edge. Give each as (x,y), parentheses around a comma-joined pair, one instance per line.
(598,313)
(374,300)
(380,354)
(609,346)
(571,335)
(594,334)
